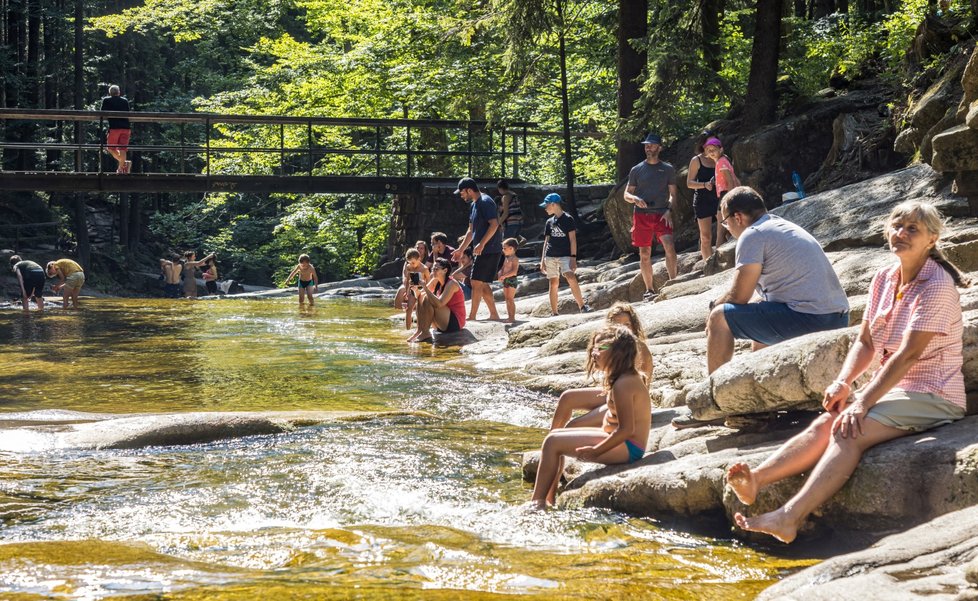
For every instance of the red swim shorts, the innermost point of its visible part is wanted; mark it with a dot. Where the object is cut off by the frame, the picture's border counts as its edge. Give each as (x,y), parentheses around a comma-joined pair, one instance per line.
(646,227)
(118,139)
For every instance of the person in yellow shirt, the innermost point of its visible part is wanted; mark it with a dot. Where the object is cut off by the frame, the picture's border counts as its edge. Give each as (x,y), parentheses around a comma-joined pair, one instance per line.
(71,278)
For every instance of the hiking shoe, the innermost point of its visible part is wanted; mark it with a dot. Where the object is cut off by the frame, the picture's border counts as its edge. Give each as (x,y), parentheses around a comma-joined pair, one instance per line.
(586,308)
(688,421)
(649,295)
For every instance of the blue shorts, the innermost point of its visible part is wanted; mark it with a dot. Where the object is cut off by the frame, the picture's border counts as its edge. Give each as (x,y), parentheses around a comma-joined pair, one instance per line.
(770,323)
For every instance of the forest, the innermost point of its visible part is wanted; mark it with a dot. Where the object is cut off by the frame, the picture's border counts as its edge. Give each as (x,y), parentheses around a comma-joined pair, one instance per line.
(600,74)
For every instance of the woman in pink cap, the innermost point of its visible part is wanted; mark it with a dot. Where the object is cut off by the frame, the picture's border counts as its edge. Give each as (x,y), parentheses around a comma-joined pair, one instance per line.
(724,179)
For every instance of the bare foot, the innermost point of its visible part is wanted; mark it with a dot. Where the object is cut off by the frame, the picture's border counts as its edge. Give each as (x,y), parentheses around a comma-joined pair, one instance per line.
(535,506)
(414,336)
(777,523)
(743,483)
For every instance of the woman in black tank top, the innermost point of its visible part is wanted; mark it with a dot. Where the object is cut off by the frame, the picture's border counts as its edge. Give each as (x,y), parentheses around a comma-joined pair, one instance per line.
(705,204)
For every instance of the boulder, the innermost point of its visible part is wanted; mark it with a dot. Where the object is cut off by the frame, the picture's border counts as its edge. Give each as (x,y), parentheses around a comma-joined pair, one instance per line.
(789,375)
(933,561)
(927,141)
(618,214)
(956,149)
(969,86)
(908,140)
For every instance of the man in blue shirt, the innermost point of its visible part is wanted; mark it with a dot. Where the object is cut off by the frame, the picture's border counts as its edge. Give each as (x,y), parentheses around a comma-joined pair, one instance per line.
(484,231)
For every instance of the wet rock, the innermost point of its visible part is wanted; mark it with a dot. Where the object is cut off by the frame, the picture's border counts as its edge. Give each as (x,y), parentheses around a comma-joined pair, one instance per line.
(933,561)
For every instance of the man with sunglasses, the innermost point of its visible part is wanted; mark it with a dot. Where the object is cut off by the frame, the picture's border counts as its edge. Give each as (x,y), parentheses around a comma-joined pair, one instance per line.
(797,291)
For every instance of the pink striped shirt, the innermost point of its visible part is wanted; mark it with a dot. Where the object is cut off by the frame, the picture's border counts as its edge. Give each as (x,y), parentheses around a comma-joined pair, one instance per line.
(929,304)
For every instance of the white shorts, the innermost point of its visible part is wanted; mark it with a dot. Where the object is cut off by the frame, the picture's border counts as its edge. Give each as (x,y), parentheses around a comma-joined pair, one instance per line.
(557,266)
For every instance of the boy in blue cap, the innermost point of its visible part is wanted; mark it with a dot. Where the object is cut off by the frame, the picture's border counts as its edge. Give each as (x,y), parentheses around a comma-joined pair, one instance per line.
(560,252)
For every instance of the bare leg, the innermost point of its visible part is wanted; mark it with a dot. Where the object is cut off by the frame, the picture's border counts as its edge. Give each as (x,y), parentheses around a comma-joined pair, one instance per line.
(476,298)
(74,297)
(483,290)
(797,455)
(564,442)
(510,294)
(399,298)
(27,306)
(645,266)
(412,301)
(830,474)
(592,419)
(575,289)
(756,346)
(706,236)
(719,340)
(721,231)
(39,299)
(426,312)
(575,399)
(554,287)
(672,262)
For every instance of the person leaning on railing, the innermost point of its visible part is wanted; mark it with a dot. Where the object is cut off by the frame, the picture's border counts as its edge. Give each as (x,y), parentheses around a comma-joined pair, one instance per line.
(117,140)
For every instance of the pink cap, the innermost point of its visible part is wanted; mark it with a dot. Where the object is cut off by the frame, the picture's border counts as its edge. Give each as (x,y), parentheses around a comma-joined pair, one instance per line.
(713,142)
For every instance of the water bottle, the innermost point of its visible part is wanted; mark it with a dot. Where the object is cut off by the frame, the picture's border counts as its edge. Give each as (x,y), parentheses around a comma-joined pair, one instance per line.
(796,179)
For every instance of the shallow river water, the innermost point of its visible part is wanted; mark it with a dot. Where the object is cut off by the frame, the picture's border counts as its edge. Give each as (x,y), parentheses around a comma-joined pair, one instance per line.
(422,504)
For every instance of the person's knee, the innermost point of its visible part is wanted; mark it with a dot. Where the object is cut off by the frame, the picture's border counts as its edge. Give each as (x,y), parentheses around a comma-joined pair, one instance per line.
(571,277)
(717,320)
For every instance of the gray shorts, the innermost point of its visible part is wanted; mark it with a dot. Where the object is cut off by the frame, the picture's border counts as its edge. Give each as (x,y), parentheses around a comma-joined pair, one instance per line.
(75,281)
(914,411)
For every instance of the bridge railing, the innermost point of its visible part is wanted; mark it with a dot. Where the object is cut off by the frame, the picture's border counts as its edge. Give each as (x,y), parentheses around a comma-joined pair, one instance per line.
(205,143)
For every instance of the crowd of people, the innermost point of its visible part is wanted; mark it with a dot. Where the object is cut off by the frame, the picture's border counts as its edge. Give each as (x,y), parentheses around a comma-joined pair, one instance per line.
(783,287)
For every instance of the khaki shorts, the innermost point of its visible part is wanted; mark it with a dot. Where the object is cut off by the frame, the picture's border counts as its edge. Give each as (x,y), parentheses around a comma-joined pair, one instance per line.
(557,265)
(914,411)
(75,281)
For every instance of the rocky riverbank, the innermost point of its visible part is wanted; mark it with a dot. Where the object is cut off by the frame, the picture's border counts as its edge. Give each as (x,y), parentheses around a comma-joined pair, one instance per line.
(898,485)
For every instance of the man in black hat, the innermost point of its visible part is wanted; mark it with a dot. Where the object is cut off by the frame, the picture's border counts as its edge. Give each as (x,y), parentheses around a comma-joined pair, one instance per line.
(652,189)
(484,230)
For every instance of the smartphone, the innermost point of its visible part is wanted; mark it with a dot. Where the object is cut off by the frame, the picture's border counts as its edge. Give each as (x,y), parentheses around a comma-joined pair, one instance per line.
(416,278)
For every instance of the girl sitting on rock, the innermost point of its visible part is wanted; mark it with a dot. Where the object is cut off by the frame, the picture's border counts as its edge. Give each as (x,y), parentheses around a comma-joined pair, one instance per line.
(625,431)
(592,399)
(913,327)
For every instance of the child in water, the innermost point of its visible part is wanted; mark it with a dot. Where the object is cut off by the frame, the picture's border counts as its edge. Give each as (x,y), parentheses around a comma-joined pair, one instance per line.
(508,276)
(591,400)
(624,432)
(307,279)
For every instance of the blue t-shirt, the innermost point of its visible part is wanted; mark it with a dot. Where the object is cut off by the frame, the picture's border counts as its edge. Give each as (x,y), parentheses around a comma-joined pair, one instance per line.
(484,210)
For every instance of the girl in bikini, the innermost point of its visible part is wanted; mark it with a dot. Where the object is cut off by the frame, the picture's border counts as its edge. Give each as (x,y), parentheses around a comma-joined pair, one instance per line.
(625,432)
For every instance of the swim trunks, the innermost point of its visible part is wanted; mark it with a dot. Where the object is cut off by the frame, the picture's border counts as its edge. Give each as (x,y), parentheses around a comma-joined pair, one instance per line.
(305,283)
(511,282)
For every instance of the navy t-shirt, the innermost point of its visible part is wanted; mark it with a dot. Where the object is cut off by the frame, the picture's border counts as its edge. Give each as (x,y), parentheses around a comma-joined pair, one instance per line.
(557,231)
(484,210)
(116,103)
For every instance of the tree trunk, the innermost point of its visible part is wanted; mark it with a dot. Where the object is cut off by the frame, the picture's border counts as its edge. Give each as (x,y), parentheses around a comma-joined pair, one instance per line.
(710,11)
(761,101)
(633,22)
(565,114)
(81,231)
(124,220)
(135,223)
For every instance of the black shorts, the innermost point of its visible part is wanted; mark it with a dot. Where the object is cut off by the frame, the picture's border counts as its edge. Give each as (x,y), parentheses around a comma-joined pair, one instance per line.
(33,283)
(452,326)
(211,286)
(485,267)
(705,205)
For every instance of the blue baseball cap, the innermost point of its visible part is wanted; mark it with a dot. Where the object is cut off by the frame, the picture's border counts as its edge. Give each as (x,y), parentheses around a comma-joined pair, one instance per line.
(550,198)
(652,139)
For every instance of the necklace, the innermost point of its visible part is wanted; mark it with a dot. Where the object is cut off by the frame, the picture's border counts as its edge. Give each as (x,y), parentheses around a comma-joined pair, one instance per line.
(902,289)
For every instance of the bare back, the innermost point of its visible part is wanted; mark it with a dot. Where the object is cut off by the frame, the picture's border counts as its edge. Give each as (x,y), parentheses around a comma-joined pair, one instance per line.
(630,389)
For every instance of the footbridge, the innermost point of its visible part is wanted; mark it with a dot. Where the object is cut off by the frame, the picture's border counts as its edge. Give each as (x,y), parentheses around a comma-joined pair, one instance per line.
(65,151)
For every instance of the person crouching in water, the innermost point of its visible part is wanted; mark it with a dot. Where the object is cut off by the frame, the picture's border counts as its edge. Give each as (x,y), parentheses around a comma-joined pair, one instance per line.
(592,400)
(30,276)
(624,434)
(308,280)
(441,303)
(913,330)
(71,278)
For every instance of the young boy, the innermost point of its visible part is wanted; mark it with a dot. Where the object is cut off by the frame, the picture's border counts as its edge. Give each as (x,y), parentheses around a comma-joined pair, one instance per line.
(30,276)
(307,279)
(508,276)
(414,274)
(560,252)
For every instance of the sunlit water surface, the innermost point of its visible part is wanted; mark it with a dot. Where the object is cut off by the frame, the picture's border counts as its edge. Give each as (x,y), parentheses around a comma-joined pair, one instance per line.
(420,505)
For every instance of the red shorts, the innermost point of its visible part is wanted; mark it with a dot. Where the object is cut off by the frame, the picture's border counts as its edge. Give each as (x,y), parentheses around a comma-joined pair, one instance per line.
(118,139)
(646,227)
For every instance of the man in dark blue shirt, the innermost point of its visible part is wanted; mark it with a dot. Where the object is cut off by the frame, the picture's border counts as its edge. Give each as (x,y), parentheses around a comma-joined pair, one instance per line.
(485,232)
(117,140)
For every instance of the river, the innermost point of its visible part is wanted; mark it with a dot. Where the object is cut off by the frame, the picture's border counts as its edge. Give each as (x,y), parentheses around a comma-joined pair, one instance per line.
(422,503)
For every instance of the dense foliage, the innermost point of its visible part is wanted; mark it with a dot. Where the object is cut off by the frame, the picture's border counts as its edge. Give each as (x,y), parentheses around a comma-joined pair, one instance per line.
(438,59)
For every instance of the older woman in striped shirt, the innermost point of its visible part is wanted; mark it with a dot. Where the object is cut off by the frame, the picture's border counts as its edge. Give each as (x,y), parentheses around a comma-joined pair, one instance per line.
(913,329)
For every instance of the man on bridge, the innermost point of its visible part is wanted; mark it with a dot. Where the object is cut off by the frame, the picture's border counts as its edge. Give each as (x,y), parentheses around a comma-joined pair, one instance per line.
(117,141)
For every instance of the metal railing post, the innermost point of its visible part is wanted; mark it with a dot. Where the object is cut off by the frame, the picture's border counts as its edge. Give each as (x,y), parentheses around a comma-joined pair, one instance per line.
(183,149)
(377,149)
(207,144)
(408,151)
(502,153)
(469,153)
(309,143)
(101,142)
(281,140)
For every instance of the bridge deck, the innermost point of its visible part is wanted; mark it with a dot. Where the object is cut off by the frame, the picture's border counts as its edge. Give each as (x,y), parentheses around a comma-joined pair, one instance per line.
(187,182)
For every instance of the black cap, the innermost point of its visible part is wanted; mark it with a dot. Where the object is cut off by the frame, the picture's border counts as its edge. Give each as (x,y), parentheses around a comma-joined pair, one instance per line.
(652,139)
(466,182)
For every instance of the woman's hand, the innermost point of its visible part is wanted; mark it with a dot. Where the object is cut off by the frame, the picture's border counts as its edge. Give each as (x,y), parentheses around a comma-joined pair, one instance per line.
(586,454)
(708,185)
(850,422)
(835,396)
